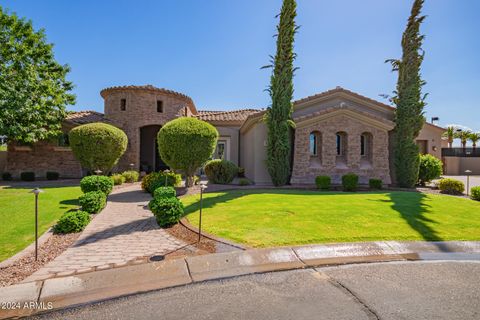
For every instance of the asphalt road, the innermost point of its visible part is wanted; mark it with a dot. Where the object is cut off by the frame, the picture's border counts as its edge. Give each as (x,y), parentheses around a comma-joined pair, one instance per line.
(409,290)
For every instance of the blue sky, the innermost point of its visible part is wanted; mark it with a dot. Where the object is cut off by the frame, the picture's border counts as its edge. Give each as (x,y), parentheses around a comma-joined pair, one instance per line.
(212,50)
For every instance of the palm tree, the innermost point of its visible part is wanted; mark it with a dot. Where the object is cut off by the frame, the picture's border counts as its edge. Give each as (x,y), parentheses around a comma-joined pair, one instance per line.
(464,136)
(474,137)
(450,134)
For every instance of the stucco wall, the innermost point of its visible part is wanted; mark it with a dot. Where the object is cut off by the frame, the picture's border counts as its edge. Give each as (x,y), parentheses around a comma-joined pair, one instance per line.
(254,155)
(458,166)
(232,134)
(433,136)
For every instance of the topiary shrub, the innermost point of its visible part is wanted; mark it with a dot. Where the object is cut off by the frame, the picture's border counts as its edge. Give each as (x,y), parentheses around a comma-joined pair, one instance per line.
(118,179)
(244,182)
(93,201)
(430,168)
(186,144)
(167,211)
(98,146)
(323,182)
(350,182)
(221,171)
(27,176)
(72,221)
(241,172)
(153,180)
(164,192)
(376,184)
(51,175)
(475,193)
(97,183)
(7,176)
(451,186)
(131,176)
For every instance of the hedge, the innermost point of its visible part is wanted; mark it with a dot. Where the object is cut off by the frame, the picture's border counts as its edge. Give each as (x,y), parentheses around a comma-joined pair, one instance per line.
(167,211)
(350,182)
(131,176)
(93,201)
(72,221)
(375,184)
(323,182)
(221,171)
(475,193)
(97,183)
(164,192)
(451,186)
(153,180)
(430,168)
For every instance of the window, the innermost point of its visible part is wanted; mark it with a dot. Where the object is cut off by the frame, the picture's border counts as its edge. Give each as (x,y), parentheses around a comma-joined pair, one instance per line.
(363,146)
(340,143)
(342,147)
(220,150)
(313,144)
(366,140)
(63,140)
(159,106)
(123,104)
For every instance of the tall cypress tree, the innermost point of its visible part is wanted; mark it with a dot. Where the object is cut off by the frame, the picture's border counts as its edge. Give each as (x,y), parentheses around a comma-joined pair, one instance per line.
(409,101)
(278,117)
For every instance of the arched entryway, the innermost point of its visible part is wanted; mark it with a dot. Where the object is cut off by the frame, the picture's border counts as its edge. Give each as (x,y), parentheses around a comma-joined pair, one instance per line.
(149,157)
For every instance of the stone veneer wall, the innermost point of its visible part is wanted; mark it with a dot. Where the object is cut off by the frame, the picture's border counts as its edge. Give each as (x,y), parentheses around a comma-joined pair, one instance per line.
(305,170)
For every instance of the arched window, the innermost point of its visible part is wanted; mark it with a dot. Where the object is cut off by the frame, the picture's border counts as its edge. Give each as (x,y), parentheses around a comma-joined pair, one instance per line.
(315,148)
(342,147)
(313,143)
(366,147)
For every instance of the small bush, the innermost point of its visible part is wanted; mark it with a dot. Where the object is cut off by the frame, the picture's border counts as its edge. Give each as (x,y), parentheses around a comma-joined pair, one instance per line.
(157,179)
(430,168)
(167,211)
(196,180)
(451,186)
(118,179)
(475,193)
(241,172)
(323,182)
(164,192)
(244,182)
(97,183)
(350,182)
(6,176)
(51,175)
(72,221)
(93,201)
(27,176)
(221,171)
(375,184)
(131,176)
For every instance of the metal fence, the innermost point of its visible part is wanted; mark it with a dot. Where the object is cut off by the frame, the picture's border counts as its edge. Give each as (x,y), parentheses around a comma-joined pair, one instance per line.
(461,152)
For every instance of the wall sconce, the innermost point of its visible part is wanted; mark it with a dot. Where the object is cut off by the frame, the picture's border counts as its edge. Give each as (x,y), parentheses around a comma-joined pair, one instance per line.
(434,148)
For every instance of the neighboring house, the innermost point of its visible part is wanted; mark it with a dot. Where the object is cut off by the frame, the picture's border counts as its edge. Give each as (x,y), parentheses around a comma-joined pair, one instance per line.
(337,132)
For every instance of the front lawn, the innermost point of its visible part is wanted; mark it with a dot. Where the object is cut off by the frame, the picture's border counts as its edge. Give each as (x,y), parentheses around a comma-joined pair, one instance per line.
(264,218)
(17,214)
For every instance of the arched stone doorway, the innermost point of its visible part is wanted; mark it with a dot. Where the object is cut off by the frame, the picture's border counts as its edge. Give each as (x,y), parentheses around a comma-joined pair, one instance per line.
(149,157)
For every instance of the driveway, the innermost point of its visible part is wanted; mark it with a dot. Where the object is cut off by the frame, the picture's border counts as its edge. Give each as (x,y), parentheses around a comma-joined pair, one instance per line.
(408,290)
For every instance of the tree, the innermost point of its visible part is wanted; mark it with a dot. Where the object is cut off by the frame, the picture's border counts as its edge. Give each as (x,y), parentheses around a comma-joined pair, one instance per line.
(450,135)
(410,102)
(33,89)
(98,146)
(474,138)
(464,136)
(186,144)
(278,117)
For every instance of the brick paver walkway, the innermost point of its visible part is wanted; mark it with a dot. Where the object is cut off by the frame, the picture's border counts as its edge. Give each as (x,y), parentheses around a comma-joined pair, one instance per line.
(124,232)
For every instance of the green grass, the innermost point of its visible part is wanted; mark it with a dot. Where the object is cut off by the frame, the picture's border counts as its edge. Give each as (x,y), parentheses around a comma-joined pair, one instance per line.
(17,214)
(264,218)
(3,147)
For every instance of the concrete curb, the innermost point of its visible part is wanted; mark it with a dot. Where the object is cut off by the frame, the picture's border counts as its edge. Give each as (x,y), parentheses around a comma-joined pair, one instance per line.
(40,296)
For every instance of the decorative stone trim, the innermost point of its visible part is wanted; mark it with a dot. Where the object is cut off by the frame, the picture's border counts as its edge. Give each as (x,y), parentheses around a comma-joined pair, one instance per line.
(23,148)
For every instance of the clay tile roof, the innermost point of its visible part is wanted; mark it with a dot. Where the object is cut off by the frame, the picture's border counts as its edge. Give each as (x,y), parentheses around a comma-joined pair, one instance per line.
(227,116)
(83,117)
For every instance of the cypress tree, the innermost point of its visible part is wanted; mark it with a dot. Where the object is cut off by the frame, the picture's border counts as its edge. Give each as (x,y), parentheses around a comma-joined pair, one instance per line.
(278,117)
(409,101)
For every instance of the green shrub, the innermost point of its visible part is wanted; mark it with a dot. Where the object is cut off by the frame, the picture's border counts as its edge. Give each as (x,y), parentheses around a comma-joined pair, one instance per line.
(52,175)
(323,182)
(221,171)
(153,180)
(97,183)
(244,182)
(164,192)
(475,193)
(27,176)
(118,179)
(167,211)
(350,182)
(72,221)
(93,201)
(375,184)
(6,176)
(186,144)
(196,180)
(98,146)
(451,186)
(430,168)
(130,176)
(241,172)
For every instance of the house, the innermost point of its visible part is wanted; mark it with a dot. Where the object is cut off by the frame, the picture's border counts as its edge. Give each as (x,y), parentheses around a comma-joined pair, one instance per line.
(337,132)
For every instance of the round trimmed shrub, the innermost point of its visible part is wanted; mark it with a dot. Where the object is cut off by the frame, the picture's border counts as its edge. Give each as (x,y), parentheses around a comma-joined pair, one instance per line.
(430,168)
(97,183)
(167,211)
(475,193)
(27,176)
(7,176)
(350,182)
(186,144)
(130,176)
(376,184)
(154,180)
(98,146)
(72,221)
(243,182)
(221,171)
(323,182)
(52,175)
(451,186)
(164,192)
(93,201)
(118,179)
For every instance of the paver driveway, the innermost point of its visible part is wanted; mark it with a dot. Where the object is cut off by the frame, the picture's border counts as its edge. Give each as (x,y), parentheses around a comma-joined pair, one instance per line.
(124,232)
